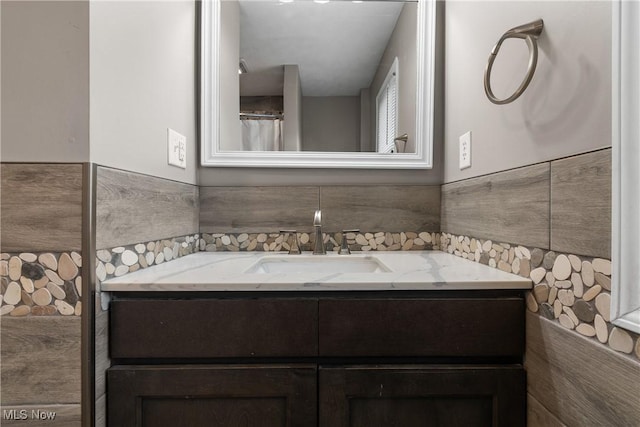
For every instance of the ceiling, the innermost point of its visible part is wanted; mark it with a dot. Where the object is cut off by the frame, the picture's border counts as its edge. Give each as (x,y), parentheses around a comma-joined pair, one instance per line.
(337,45)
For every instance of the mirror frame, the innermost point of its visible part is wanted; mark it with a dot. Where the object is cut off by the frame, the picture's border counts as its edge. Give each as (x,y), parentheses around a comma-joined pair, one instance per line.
(625,227)
(211,155)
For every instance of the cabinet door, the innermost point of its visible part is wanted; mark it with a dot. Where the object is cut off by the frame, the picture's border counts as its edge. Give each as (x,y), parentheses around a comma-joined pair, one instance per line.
(220,396)
(439,396)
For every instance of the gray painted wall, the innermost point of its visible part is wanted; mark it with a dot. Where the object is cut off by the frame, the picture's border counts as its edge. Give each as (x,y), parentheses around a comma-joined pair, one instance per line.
(331,123)
(142,82)
(230,128)
(45,81)
(566,109)
(402,45)
(292,94)
(366,143)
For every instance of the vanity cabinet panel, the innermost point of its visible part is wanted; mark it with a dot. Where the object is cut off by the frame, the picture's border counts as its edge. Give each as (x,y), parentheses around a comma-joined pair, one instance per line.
(429,327)
(221,396)
(328,360)
(214,328)
(424,396)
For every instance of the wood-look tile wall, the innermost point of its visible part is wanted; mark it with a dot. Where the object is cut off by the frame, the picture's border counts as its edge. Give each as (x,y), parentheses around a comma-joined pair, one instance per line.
(539,416)
(101,411)
(265,209)
(572,380)
(133,208)
(65,416)
(270,209)
(40,360)
(579,383)
(41,207)
(564,205)
(41,211)
(102,361)
(581,204)
(511,206)
(390,208)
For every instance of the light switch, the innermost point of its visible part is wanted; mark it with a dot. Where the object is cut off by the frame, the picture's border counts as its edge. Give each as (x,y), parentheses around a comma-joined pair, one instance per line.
(177,149)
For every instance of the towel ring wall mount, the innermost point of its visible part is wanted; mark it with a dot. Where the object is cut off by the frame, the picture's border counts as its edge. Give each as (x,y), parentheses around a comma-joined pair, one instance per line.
(529,33)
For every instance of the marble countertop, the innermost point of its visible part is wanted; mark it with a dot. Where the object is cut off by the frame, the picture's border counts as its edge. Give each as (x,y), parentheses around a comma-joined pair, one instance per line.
(408,270)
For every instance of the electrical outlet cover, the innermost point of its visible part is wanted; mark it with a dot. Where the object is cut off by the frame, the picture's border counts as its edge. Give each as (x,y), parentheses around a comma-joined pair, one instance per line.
(176,149)
(465,150)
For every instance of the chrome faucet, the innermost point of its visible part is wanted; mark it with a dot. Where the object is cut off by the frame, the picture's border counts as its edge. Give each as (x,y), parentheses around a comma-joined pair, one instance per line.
(318,248)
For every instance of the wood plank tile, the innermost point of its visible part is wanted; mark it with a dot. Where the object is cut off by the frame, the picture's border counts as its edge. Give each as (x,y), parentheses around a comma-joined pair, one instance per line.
(133,208)
(539,416)
(392,208)
(40,360)
(41,207)
(102,361)
(581,204)
(510,206)
(579,381)
(251,209)
(101,411)
(65,416)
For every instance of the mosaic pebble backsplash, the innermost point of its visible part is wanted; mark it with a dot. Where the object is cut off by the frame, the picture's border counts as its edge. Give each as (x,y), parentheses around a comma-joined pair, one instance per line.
(363,241)
(40,284)
(121,260)
(569,289)
(572,290)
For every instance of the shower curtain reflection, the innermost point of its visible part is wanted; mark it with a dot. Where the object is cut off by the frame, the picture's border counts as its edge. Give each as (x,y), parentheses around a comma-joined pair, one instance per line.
(262,134)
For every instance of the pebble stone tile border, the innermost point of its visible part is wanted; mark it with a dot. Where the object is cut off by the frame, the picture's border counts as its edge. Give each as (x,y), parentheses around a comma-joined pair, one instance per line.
(363,241)
(572,290)
(121,260)
(115,262)
(40,284)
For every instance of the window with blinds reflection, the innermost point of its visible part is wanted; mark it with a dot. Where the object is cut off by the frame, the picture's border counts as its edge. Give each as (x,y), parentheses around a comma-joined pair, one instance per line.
(387,111)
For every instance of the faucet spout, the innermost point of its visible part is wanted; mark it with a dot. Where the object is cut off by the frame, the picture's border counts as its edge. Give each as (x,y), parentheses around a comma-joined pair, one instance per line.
(318,248)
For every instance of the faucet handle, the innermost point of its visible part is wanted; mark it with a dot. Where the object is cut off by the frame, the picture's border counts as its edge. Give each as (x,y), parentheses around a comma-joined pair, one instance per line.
(344,247)
(294,249)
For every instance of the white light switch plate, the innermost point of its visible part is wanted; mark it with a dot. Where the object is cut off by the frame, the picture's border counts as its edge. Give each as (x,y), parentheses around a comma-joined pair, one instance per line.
(465,150)
(177,149)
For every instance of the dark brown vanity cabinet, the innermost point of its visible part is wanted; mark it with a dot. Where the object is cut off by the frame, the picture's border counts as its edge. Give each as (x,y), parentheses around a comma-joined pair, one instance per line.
(356,359)
(422,395)
(212,395)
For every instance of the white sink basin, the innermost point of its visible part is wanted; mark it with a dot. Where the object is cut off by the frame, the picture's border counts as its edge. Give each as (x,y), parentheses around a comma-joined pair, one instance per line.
(318,264)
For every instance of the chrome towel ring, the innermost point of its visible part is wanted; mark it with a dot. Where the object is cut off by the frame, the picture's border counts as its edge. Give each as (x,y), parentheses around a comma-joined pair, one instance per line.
(530,33)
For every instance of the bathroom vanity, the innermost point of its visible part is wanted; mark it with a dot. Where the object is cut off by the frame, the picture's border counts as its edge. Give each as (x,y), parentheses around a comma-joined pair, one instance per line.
(345,349)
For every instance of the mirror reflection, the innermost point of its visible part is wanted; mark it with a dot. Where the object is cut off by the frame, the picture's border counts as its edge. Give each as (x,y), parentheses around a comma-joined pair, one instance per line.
(318,76)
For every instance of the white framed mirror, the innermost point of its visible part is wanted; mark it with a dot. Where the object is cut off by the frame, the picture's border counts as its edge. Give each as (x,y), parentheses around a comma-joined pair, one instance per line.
(625,251)
(270,114)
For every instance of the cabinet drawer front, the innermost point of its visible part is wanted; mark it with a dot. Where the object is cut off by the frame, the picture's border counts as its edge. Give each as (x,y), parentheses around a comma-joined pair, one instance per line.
(214,328)
(436,327)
